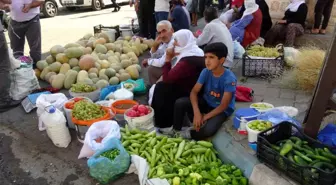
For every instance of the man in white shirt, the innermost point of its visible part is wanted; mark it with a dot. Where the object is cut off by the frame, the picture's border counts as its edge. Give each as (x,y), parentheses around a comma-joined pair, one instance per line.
(5,100)
(161,10)
(216,31)
(158,52)
(25,23)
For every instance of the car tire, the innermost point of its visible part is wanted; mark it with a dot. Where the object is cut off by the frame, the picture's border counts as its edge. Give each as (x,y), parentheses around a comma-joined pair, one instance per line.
(71,8)
(97,5)
(50,9)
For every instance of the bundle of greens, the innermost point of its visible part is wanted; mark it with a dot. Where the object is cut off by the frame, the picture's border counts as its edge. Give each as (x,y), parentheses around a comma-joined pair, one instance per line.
(84,110)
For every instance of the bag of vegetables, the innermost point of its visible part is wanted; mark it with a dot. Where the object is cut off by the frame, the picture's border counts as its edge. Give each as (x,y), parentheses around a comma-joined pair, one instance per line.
(83,90)
(109,163)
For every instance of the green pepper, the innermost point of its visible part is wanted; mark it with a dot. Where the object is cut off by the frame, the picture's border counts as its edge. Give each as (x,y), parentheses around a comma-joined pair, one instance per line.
(303,156)
(329,155)
(207,176)
(318,157)
(214,172)
(234,181)
(290,157)
(168,176)
(277,148)
(296,140)
(243,181)
(237,173)
(300,161)
(287,147)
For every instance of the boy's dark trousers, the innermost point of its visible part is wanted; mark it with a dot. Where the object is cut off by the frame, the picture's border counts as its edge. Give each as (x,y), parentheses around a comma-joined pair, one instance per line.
(209,128)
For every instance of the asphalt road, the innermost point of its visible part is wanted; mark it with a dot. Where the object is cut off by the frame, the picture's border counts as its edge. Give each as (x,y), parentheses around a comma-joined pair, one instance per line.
(27,156)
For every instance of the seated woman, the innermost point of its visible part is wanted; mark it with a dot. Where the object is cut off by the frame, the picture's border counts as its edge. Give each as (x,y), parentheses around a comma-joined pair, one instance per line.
(266,17)
(291,26)
(178,78)
(210,107)
(247,29)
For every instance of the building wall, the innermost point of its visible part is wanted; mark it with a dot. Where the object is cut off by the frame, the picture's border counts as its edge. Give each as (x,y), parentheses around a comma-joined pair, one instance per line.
(277,9)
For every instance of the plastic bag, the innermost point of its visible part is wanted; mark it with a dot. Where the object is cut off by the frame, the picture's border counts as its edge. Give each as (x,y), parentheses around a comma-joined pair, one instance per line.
(139,84)
(15,63)
(104,170)
(290,54)
(238,50)
(23,82)
(103,130)
(57,100)
(151,94)
(107,90)
(328,135)
(276,116)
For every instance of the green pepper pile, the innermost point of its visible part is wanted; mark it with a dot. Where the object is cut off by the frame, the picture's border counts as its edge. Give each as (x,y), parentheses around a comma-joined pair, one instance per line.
(84,110)
(82,88)
(111,154)
(180,161)
(301,153)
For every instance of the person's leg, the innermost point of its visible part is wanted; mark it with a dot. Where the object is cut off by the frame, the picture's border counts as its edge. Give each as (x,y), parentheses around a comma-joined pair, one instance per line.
(33,35)
(220,4)
(274,34)
(209,128)
(154,73)
(6,101)
(17,33)
(293,30)
(152,25)
(320,5)
(143,22)
(326,15)
(182,107)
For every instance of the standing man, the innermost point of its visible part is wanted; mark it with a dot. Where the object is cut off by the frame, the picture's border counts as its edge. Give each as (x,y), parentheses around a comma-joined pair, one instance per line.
(5,100)
(147,20)
(163,40)
(161,10)
(25,23)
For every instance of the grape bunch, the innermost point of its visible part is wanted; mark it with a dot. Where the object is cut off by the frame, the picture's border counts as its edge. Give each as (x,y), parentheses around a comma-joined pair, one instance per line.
(261,51)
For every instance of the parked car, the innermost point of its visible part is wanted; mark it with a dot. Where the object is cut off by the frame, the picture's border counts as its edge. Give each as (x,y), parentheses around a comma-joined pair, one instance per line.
(50,8)
(94,4)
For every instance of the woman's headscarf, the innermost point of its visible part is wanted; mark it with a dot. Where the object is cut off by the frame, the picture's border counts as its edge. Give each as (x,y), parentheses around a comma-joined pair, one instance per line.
(251,7)
(187,45)
(294,5)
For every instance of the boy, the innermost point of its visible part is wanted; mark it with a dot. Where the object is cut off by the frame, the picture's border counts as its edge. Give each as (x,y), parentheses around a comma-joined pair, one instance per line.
(217,98)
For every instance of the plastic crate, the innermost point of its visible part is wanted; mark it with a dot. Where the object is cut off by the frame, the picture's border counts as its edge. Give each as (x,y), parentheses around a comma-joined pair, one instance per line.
(259,66)
(301,174)
(99,28)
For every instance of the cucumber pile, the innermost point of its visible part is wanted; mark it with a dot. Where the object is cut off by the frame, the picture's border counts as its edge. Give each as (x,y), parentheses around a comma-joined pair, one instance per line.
(180,161)
(299,152)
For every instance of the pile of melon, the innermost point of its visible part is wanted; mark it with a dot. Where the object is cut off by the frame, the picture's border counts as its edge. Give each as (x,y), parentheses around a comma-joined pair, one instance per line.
(93,60)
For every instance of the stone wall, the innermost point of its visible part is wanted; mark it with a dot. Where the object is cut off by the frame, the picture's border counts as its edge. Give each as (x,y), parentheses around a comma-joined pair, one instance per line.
(277,9)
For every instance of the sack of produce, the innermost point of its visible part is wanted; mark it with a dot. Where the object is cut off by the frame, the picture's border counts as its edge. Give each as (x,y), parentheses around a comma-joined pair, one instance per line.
(98,135)
(139,86)
(109,163)
(83,90)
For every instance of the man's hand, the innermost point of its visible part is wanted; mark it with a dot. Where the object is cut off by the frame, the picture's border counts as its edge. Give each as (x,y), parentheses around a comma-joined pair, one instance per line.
(145,62)
(198,121)
(26,8)
(282,22)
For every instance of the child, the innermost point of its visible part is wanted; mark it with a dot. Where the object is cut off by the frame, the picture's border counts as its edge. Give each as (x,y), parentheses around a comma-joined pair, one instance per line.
(215,103)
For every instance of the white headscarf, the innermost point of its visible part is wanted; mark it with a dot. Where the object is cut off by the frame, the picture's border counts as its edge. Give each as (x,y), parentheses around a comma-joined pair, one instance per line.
(187,45)
(251,7)
(294,5)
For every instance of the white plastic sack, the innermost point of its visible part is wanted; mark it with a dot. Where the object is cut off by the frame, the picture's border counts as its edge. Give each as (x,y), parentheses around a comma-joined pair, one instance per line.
(140,166)
(104,130)
(238,50)
(15,63)
(23,82)
(57,100)
(290,54)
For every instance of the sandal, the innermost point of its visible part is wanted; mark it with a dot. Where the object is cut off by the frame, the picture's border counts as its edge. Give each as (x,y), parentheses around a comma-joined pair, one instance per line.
(322,32)
(315,31)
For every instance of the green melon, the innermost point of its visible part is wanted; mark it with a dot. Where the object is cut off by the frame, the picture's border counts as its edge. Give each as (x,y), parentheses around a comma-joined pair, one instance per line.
(102,83)
(74,52)
(114,80)
(50,59)
(110,72)
(73,62)
(55,67)
(100,49)
(41,64)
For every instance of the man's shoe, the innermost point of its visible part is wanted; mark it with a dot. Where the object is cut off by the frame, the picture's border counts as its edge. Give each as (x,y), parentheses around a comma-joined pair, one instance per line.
(115,10)
(9,105)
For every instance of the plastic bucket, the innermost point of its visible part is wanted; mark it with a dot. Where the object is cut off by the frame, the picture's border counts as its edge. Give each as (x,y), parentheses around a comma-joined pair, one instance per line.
(247,114)
(252,136)
(126,31)
(111,33)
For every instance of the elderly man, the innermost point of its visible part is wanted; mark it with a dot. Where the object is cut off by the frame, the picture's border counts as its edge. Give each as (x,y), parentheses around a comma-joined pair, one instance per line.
(25,23)
(5,100)
(216,31)
(163,40)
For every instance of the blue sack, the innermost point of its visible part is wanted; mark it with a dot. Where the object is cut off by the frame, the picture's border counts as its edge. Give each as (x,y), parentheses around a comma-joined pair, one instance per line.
(107,90)
(103,169)
(328,135)
(276,116)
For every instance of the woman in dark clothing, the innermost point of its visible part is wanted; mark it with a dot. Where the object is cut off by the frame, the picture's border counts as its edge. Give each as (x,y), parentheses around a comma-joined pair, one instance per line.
(178,77)
(147,18)
(266,20)
(322,8)
(291,26)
